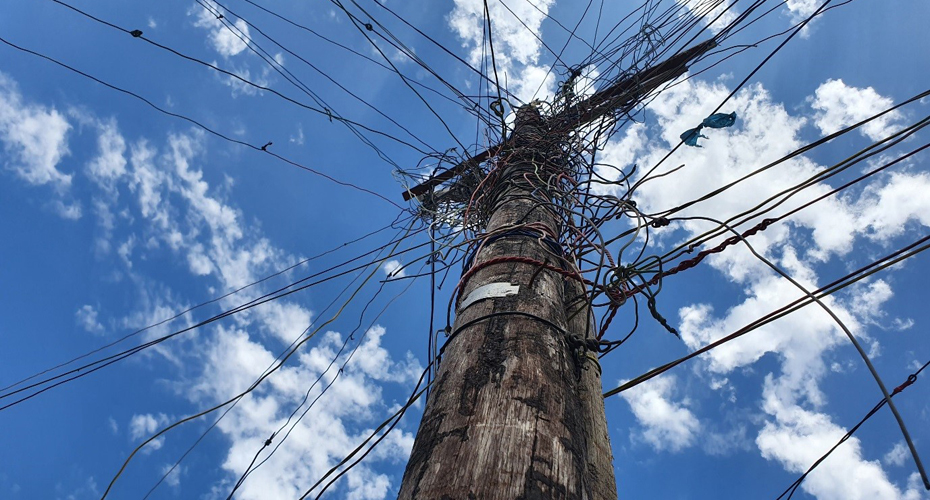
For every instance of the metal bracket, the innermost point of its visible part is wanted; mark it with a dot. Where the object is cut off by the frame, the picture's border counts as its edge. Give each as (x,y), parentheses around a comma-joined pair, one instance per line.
(489,291)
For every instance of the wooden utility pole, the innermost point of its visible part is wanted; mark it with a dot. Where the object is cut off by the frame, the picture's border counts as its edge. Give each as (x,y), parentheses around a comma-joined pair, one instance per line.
(516,410)
(505,418)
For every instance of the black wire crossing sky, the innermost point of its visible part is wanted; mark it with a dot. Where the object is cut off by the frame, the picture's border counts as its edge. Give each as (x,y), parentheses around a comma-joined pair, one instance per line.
(236,233)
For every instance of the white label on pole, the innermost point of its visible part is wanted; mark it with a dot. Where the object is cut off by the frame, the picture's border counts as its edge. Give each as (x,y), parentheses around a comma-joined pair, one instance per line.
(489,291)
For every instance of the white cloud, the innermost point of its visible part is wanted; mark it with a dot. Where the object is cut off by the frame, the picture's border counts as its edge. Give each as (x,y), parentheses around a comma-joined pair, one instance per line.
(148,183)
(125,251)
(902,324)
(802,9)
(839,105)
(173,213)
(70,211)
(110,162)
(141,427)
(199,263)
(228,42)
(887,209)
(796,429)
(175,210)
(897,455)
(285,320)
(797,438)
(299,138)
(173,478)
(328,431)
(34,138)
(86,318)
(155,303)
(867,299)
(393,269)
(709,10)
(180,210)
(86,487)
(239,87)
(516,49)
(667,425)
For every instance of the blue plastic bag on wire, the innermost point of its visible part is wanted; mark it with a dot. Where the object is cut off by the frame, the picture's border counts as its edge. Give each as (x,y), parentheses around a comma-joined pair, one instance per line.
(720,120)
(691,136)
(716,120)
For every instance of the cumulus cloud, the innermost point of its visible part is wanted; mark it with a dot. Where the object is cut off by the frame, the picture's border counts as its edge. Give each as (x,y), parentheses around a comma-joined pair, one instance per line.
(173,209)
(802,9)
(867,299)
(326,433)
(228,42)
(886,209)
(795,428)
(70,211)
(141,427)
(34,138)
(797,438)
(897,455)
(173,477)
(839,105)
(666,424)
(239,87)
(86,318)
(516,48)
(110,162)
(716,14)
(180,211)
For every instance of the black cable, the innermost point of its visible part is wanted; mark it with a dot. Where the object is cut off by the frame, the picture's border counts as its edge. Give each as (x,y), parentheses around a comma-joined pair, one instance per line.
(263,149)
(797,484)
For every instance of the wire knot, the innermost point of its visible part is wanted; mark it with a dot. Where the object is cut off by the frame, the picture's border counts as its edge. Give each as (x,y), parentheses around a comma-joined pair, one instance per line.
(584,344)
(660,222)
(369,27)
(136,33)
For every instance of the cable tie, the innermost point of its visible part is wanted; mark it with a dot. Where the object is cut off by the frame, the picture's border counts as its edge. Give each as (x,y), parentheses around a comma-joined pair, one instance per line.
(910,380)
(265,147)
(136,33)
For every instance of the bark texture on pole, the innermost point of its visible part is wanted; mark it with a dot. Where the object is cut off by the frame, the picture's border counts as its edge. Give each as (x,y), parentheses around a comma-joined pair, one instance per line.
(507,416)
(600,471)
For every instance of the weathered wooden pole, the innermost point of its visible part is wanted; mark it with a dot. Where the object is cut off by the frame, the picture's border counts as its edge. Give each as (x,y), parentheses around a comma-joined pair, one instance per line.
(516,409)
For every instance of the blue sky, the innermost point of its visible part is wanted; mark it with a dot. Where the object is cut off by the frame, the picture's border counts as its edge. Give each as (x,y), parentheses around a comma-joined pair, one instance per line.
(116,216)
